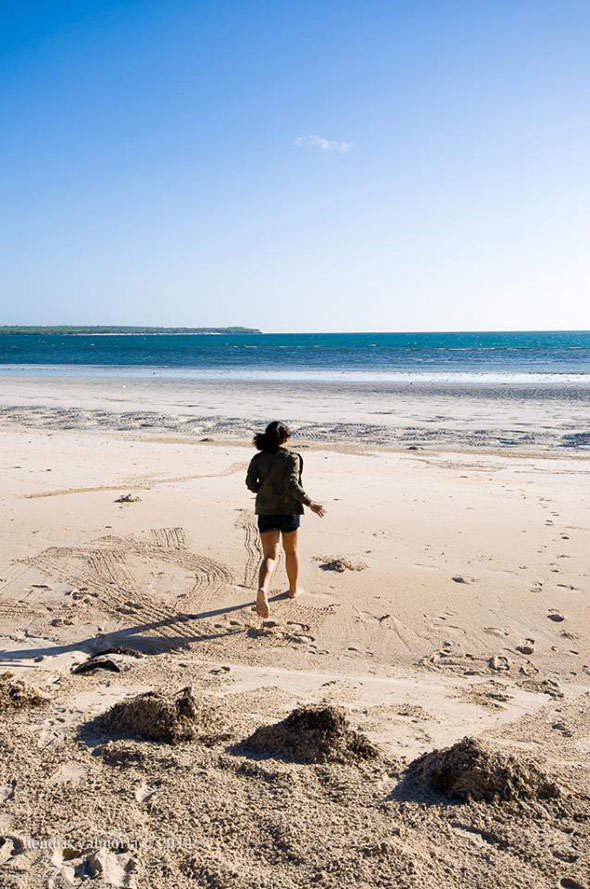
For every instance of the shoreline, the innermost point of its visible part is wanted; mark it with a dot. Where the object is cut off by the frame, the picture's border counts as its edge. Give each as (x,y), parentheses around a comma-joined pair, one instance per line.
(310,375)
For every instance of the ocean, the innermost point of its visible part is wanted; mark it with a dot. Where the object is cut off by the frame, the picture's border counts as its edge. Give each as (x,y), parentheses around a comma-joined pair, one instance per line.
(510,357)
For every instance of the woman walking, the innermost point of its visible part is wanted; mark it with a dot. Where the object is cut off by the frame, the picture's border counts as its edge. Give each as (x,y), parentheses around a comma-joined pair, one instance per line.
(274,475)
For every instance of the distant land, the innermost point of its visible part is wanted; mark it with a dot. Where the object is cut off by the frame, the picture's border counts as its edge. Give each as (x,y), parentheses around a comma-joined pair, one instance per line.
(126,331)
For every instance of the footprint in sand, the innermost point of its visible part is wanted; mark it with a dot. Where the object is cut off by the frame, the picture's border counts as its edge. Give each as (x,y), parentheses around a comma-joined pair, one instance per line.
(567,883)
(301,639)
(499,663)
(496,631)
(528,647)
(459,578)
(356,652)
(259,632)
(555,615)
(113,867)
(69,773)
(369,617)
(6,792)
(144,792)
(12,845)
(564,730)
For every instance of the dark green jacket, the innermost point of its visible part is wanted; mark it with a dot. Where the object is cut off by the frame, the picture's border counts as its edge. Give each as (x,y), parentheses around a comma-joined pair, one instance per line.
(275,478)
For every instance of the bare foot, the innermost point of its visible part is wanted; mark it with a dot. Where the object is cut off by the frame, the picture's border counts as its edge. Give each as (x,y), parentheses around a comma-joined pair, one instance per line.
(262,604)
(292,594)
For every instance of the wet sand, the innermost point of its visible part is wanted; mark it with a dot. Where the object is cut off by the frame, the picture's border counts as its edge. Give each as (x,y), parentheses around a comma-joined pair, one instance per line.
(490,416)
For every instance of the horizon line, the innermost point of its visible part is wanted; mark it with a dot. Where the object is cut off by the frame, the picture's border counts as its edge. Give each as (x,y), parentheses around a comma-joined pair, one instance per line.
(260,332)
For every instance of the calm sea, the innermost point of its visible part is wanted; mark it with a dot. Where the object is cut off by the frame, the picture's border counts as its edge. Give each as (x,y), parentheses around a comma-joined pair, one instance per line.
(436,356)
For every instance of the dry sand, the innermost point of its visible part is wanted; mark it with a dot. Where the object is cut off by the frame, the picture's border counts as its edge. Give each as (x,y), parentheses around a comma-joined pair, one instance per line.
(446,597)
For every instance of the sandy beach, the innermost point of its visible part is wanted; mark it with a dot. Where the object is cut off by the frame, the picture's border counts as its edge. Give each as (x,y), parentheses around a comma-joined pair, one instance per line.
(446,596)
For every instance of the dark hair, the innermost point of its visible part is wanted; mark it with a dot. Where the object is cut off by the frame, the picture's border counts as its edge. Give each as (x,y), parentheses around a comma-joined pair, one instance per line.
(272,438)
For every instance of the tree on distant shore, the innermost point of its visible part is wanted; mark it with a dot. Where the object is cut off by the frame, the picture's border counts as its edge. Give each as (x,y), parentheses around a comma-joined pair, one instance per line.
(71,330)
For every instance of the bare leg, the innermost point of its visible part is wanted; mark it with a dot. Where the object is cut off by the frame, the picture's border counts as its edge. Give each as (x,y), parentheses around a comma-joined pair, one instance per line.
(292,562)
(270,557)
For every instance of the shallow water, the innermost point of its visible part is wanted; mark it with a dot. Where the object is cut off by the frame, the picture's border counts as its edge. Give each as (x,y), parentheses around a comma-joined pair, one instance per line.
(469,357)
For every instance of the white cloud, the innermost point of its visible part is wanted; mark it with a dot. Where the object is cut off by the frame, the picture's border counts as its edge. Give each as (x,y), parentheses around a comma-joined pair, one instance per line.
(322,144)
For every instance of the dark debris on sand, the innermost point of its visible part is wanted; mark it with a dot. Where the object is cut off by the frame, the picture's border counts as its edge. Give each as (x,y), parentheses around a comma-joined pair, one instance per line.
(99,662)
(312,735)
(341,564)
(155,716)
(473,770)
(17,695)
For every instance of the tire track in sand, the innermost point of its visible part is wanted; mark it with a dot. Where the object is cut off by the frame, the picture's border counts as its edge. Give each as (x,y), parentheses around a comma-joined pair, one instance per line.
(102,573)
(105,572)
(170,545)
(285,610)
(247,523)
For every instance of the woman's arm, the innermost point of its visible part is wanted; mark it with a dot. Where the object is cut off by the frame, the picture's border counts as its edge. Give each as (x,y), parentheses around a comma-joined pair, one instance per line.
(252,480)
(293,481)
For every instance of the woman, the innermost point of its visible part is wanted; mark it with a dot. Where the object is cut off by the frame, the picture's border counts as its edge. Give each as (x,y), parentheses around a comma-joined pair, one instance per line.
(274,475)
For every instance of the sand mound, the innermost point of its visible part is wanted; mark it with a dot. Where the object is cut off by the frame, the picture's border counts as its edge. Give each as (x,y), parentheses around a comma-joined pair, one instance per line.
(312,735)
(158,717)
(471,770)
(16,695)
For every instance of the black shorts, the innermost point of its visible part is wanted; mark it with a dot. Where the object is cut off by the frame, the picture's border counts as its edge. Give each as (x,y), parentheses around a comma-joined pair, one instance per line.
(284,523)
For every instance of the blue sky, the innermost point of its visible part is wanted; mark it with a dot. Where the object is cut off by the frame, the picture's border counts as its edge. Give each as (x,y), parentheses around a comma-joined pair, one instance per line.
(327,165)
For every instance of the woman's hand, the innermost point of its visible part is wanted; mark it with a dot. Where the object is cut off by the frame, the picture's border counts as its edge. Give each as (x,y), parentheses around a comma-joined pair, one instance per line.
(318,509)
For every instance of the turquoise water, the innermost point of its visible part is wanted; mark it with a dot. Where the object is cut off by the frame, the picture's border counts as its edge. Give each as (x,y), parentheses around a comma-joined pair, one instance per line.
(333,355)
